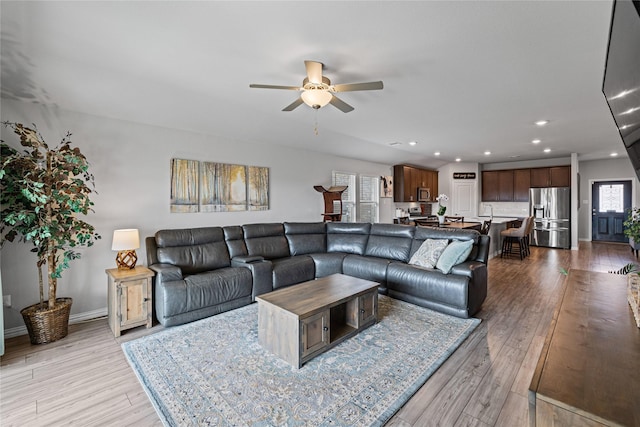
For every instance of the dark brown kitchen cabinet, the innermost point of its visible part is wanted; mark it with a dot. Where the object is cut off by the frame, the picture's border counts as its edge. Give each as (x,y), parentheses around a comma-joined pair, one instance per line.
(557,176)
(407,180)
(521,185)
(560,176)
(505,186)
(540,178)
(490,186)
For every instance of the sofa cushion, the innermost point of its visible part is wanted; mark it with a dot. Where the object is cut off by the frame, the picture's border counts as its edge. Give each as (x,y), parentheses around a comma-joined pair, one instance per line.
(306,237)
(266,240)
(193,250)
(234,237)
(455,253)
(429,252)
(213,287)
(366,267)
(328,263)
(428,284)
(390,241)
(292,270)
(347,237)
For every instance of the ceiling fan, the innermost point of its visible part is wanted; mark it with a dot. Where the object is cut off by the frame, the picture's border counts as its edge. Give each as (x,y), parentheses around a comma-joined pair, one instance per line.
(317,90)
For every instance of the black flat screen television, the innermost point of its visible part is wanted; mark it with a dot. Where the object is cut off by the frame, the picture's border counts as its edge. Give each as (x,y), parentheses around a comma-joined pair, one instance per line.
(621,83)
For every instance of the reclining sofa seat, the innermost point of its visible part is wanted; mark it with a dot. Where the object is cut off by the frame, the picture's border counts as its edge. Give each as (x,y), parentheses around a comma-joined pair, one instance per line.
(274,255)
(194,277)
(459,293)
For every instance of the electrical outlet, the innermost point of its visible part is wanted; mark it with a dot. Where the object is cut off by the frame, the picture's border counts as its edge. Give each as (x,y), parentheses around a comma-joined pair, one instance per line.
(6,300)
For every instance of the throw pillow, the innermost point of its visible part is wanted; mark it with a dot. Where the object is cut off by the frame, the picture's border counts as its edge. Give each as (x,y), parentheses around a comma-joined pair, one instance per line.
(456,252)
(428,253)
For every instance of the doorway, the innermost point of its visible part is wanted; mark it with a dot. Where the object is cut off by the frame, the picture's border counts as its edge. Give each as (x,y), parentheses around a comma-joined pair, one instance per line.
(463,195)
(610,201)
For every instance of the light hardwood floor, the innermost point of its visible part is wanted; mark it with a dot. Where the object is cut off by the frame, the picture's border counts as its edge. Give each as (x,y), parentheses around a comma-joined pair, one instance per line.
(84,379)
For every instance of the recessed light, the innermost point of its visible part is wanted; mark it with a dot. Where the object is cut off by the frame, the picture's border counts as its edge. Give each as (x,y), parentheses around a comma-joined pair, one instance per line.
(624,127)
(437,153)
(412,142)
(458,159)
(536,141)
(614,154)
(515,156)
(631,110)
(542,122)
(487,153)
(547,150)
(393,144)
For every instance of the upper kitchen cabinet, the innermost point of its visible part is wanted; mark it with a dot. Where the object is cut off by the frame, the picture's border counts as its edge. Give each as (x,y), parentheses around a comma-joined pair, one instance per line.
(497,186)
(557,176)
(521,185)
(408,179)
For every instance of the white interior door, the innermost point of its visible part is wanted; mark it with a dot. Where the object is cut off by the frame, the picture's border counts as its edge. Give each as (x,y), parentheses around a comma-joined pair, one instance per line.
(464,198)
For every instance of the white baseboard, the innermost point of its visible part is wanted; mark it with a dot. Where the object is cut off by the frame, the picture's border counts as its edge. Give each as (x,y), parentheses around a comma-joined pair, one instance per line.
(74,318)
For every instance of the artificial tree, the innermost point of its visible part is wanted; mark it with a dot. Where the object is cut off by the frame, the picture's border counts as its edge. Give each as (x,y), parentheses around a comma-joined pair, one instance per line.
(42,193)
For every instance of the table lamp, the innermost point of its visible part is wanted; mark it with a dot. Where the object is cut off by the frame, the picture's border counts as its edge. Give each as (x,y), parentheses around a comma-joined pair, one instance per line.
(126,242)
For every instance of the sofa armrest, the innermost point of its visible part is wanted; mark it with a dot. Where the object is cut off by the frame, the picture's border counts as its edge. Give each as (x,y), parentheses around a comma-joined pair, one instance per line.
(245,259)
(470,269)
(261,270)
(166,272)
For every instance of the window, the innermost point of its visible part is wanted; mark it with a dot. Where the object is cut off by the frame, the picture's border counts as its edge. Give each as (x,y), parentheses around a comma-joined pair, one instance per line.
(359,203)
(611,198)
(369,197)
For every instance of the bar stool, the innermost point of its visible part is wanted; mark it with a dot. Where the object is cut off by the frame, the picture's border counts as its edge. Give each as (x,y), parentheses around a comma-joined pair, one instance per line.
(517,236)
(527,236)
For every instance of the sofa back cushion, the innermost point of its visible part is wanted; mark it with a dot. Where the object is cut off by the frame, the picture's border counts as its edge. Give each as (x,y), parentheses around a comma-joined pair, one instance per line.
(266,240)
(194,250)
(234,236)
(306,237)
(348,237)
(390,241)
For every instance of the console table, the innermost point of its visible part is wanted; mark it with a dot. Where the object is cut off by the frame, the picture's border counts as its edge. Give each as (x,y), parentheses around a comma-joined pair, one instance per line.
(588,373)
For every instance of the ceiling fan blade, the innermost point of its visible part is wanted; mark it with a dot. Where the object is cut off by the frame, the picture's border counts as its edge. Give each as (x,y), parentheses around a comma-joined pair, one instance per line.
(275,87)
(340,104)
(358,86)
(295,104)
(314,71)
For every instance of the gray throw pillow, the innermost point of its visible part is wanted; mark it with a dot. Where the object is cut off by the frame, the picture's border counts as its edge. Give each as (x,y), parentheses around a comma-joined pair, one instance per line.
(428,253)
(454,254)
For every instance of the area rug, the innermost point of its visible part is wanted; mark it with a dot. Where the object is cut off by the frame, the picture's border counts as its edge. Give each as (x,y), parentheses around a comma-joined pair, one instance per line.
(214,371)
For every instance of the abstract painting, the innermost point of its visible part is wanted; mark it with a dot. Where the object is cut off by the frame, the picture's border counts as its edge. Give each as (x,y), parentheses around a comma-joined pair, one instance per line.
(258,188)
(184,185)
(218,187)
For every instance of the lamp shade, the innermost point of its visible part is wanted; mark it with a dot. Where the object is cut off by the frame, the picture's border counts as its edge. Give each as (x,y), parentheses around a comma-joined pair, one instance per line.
(125,239)
(316,98)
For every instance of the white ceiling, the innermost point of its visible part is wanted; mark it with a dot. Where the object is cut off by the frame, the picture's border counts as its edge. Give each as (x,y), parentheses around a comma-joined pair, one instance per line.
(459,77)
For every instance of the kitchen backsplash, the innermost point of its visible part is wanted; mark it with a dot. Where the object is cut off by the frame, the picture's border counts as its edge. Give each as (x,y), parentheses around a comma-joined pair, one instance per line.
(517,209)
(500,209)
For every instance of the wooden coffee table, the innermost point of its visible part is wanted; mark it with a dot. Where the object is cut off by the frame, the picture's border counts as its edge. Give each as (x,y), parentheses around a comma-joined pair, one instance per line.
(299,322)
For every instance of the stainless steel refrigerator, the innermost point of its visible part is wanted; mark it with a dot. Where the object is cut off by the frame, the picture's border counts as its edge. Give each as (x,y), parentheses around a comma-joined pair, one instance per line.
(551,211)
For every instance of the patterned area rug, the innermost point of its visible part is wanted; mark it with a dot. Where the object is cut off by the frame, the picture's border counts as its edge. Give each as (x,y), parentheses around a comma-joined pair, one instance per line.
(214,372)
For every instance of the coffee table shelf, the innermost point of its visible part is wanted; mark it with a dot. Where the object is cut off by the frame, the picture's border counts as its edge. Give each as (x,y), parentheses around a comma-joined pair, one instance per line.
(299,322)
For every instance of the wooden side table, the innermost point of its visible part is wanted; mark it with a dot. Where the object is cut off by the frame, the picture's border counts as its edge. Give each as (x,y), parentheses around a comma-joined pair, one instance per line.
(130,298)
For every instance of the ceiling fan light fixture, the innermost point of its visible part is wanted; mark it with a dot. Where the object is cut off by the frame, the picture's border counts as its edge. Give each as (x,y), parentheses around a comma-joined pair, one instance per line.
(316,98)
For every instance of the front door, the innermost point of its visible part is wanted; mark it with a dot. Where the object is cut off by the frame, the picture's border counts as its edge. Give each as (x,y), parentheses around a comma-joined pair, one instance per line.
(610,201)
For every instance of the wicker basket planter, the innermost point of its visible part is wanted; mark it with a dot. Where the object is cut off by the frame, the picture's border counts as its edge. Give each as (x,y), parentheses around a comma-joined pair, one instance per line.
(47,325)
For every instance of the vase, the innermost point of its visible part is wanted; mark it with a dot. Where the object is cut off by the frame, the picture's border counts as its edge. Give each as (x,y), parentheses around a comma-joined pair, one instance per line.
(440,219)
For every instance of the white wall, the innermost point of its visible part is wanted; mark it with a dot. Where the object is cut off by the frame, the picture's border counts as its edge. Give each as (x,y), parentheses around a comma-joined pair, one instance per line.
(131,162)
(601,170)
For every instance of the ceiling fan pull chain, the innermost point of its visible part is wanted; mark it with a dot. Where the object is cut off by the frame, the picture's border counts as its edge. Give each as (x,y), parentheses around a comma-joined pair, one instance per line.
(315,129)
